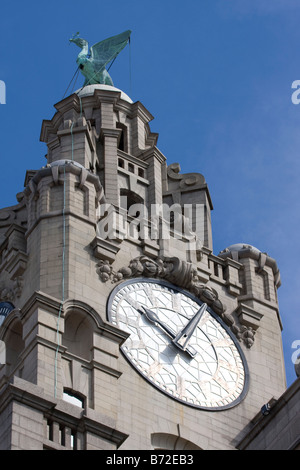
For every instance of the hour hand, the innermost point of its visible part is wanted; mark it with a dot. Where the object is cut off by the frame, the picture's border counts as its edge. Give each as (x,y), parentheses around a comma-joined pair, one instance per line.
(153,317)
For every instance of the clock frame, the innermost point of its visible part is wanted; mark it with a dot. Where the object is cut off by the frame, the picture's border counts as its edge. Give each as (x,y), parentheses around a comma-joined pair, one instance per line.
(215,379)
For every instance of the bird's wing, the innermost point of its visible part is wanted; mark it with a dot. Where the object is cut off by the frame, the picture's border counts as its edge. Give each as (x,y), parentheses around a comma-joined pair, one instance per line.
(105,51)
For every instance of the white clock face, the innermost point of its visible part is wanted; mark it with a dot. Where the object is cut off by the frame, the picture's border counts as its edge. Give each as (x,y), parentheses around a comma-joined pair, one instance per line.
(178,344)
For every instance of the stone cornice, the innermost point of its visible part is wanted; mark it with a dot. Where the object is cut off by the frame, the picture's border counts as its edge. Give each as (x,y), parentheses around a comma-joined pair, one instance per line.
(131,158)
(40,299)
(105,132)
(26,393)
(139,110)
(50,126)
(146,155)
(67,166)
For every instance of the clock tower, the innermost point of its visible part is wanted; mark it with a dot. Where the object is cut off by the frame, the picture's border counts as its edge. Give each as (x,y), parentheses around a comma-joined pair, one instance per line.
(123,329)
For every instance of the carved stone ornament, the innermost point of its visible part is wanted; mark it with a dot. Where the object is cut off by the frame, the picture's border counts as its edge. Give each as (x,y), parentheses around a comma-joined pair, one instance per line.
(11,289)
(185,179)
(181,274)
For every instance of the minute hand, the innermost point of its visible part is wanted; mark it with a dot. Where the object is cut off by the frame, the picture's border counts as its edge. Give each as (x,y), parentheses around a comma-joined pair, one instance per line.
(182,339)
(152,316)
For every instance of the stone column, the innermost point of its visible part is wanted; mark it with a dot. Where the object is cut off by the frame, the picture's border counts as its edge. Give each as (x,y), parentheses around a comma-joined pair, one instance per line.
(110,145)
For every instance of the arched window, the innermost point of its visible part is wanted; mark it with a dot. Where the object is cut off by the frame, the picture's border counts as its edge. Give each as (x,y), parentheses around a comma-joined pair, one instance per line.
(80,327)
(14,344)
(167,441)
(78,335)
(129,198)
(74,398)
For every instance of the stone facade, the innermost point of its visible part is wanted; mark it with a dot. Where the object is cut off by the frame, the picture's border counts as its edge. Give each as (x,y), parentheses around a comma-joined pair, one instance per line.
(279,428)
(85,223)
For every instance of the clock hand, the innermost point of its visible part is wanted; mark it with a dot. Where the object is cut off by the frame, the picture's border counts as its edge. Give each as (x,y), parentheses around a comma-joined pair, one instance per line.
(183,337)
(152,316)
(133,303)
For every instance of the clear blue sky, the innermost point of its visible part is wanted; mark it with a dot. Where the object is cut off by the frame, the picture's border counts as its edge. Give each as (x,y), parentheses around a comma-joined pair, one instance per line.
(217,76)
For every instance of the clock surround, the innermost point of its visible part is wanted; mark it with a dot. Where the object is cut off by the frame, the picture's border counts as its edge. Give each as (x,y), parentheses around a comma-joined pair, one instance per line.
(216,379)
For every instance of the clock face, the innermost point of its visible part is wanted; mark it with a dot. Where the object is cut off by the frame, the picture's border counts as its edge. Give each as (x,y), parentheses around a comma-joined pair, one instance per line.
(5,309)
(178,344)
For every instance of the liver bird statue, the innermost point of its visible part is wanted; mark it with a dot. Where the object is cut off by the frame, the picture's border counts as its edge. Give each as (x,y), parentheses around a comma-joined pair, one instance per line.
(93,64)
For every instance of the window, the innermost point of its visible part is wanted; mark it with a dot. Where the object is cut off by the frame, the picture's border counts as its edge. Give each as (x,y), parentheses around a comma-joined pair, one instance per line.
(172,442)
(131,167)
(14,343)
(123,140)
(61,435)
(73,398)
(78,335)
(128,198)
(141,172)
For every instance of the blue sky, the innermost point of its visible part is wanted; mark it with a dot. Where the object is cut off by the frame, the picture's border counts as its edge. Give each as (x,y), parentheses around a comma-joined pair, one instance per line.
(217,76)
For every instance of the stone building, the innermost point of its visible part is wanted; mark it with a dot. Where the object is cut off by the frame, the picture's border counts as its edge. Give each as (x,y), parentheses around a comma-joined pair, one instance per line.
(120,328)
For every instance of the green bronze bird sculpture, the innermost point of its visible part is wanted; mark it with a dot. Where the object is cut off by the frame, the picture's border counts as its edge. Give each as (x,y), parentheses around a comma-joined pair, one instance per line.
(92,64)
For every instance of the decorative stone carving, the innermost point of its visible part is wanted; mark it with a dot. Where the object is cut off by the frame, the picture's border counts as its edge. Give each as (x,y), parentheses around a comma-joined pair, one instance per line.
(180,273)
(11,289)
(186,179)
(13,262)
(6,214)
(13,215)
(247,335)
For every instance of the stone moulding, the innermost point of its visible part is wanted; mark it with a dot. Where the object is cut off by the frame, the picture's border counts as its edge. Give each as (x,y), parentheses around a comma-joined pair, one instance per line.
(13,263)
(69,167)
(182,274)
